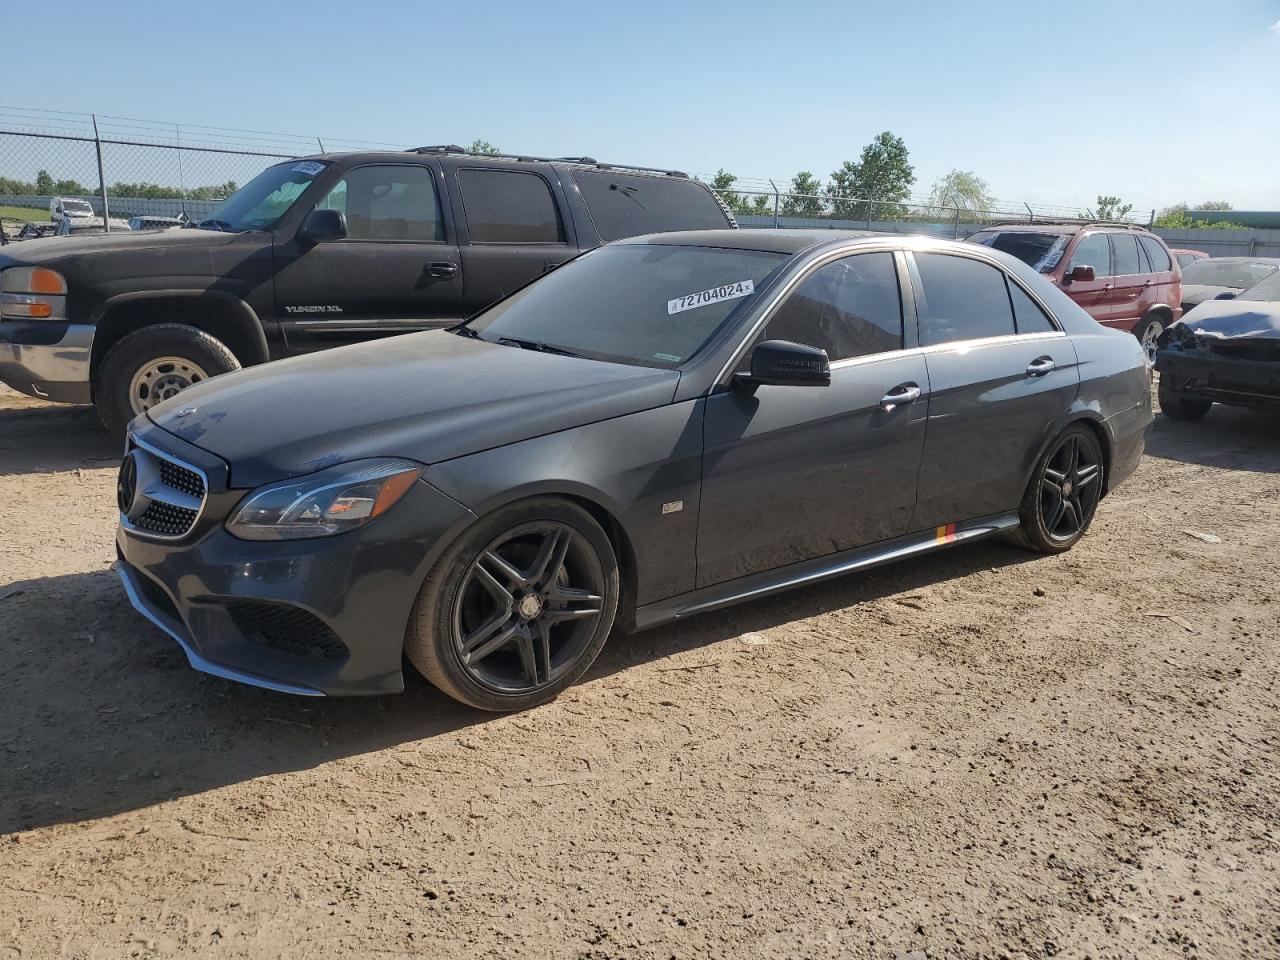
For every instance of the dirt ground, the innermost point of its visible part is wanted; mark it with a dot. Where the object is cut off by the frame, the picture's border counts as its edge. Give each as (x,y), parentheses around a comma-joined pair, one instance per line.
(982,753)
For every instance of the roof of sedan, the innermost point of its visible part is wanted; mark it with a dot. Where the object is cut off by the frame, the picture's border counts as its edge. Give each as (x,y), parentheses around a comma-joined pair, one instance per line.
(1275,261)
(772,241)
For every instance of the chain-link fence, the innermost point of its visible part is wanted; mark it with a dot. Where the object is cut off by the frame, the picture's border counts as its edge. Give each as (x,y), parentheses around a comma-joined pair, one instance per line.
(82,165)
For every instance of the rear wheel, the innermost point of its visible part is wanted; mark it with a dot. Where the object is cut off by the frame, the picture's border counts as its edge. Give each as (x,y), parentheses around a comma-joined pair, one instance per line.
(153,364)
(1064,492)
(519,608)
(1148,332)
(1180,406)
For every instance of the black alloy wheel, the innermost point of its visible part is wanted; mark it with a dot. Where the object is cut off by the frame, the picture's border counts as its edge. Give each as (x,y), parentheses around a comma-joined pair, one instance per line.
(1064,492)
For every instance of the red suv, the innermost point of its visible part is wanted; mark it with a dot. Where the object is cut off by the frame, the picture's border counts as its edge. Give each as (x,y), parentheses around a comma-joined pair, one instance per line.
(1121,274)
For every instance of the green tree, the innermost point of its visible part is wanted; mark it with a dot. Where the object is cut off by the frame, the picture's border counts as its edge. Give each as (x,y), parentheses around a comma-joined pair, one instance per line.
(1177,217)
(483,146)
(961,189)
(883,174)
(806,196)
(44,183)
(722,183)
(1218,205)
(1111,208)
(761,205)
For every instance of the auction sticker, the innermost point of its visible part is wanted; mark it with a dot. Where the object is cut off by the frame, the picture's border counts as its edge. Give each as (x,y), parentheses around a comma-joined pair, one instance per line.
(703,298)
(309,167)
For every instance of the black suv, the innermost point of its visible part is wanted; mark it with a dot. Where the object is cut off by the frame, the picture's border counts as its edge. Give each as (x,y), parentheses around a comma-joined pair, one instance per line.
(313,253)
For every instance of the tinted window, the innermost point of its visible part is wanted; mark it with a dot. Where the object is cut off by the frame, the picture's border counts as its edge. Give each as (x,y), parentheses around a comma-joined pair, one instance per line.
(388,203)
(850,308)
(624,205)
(648,304)
(1093,251)
(961,300)
(1186,258)
(1027,313)
(1156,252)
(508,206)
(1125,246)
(1237,274)
(1039,251)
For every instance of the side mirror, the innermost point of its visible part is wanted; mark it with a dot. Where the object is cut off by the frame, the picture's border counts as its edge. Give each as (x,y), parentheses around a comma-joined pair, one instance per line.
(322,226)
(1083,272)
(1225,295)
(782,363)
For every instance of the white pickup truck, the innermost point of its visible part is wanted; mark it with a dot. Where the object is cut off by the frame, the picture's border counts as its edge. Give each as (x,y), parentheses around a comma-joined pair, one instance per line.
(72,207)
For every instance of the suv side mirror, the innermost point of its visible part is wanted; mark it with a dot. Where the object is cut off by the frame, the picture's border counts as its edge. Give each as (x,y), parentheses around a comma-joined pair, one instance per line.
(322,226)
(1225,295)
(783,363)
(1083,272)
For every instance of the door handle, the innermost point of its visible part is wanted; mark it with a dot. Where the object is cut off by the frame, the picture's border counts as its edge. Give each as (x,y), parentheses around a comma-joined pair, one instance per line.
(1106,286)
(902,393)
(1040,366)
(442,268)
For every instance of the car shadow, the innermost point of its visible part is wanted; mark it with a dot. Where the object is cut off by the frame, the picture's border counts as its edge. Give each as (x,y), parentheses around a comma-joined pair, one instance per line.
(103,715)
(1234,438)
(39,437)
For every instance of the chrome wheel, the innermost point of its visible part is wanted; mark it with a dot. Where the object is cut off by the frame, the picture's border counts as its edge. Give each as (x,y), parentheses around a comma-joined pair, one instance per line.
(528,607)
(1070,488)
(158,380)
(1150,334)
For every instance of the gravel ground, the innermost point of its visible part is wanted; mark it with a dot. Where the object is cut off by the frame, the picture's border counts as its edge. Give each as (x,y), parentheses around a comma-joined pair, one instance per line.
(982,753)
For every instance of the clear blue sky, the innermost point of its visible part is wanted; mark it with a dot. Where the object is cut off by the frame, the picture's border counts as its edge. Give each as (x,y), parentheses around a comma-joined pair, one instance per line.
(1156,101)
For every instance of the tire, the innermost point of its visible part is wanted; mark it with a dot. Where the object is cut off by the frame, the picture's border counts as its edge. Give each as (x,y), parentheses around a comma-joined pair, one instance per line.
(1179,406)
(521,652)
(1148,332)
(1039,530)
(132,378)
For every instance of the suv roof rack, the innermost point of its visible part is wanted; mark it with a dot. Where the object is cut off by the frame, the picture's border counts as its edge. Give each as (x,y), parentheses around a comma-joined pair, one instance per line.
(454,150)
(1070,222)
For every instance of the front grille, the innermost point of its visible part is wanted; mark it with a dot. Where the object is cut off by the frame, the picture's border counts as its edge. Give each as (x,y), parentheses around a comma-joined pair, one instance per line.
(286,628)
(159,495)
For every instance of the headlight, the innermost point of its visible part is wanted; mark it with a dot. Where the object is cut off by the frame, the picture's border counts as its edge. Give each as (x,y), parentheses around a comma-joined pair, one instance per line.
(332,501)
(32,293)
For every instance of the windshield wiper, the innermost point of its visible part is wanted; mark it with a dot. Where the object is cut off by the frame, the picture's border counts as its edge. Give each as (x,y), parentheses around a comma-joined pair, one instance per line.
(538,346)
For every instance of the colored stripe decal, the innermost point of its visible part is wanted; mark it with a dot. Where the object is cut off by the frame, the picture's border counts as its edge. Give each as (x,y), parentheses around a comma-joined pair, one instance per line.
(945,534)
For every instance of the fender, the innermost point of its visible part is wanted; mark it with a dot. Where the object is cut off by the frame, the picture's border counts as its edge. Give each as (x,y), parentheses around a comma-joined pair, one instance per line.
(257,334)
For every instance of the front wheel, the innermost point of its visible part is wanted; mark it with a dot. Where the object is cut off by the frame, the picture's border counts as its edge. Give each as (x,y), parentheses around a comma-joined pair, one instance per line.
(151,365)
(518,608)
(1064,492)
(1179,406)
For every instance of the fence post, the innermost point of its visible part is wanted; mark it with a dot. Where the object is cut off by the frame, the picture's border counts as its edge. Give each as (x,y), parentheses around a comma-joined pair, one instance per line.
(871,208)
(955,234)
(775,203)
(102,177)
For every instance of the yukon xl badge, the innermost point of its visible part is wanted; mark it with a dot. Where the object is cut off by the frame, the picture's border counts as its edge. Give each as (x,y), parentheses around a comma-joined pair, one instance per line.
(313,308)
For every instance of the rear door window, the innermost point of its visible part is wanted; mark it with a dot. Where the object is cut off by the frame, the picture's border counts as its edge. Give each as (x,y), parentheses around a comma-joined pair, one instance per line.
(1125,246)
(628,205)
(961,299)
(509,206)
(1159,256)
(1027,313)
(851,308)
(1092,251)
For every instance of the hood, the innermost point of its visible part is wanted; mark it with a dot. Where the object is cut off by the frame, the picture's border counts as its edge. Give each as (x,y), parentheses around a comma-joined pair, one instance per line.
(426,396)
(49,251)
(1193,293)
(1229,319)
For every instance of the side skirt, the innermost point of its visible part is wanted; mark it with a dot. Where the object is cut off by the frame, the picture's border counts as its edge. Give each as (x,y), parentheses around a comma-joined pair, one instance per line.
(820,568)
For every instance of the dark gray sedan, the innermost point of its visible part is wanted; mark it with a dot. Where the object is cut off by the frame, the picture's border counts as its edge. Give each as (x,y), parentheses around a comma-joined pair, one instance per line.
(662,427)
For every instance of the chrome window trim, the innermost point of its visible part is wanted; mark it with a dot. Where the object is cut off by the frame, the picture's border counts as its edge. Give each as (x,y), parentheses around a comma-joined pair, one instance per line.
(857,247)
(199,509)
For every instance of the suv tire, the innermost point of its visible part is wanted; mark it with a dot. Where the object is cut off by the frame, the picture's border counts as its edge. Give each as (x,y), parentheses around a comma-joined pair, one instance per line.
(494,607)
(1148,332)
(150,365)
(1179,406)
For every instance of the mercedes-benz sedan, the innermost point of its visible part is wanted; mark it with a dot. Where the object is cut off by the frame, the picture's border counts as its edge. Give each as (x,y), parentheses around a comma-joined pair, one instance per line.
(661,427)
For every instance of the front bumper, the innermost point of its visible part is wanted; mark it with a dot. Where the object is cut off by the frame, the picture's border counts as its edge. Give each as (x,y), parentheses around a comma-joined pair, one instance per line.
(47,359)
(357,589)
(1211,376)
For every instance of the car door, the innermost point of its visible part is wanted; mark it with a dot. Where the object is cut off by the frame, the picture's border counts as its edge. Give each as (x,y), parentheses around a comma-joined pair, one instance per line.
(1091,250)
(1132,282)
(514,231)
(398,269)
(791,473)
(1167,279)
(995,386)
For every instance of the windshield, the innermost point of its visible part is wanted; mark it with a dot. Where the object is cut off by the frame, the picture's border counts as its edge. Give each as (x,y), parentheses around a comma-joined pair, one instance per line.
(77,206)
(1039,251)
(1226,273)
(261,202)
(645,304)
(1267,289)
